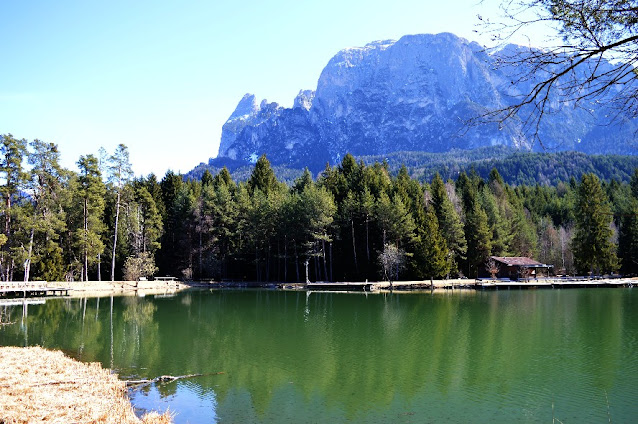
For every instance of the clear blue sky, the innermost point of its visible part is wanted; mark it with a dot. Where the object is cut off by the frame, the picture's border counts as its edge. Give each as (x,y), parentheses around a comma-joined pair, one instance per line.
(162,77)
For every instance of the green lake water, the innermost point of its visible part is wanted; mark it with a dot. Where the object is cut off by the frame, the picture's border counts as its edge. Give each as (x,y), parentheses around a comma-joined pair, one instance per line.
(288,357)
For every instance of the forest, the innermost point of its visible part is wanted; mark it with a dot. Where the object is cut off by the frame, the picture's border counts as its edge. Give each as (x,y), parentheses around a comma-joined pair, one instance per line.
(515,166)
(353,222)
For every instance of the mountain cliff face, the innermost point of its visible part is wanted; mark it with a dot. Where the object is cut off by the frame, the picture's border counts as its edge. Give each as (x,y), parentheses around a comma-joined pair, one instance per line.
(414,94)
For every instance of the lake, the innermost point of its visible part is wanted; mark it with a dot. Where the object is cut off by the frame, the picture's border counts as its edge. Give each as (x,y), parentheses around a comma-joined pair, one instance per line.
(289,356)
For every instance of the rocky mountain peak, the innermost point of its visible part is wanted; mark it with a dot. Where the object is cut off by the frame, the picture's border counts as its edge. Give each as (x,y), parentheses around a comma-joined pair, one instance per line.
(413,94)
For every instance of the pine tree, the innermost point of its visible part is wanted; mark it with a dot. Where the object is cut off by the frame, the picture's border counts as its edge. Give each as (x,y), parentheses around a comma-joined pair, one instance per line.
(167,258)
(90,195)
(12,152)
(628,239)
(223,177)
(47,187)
(120,173)
(317,216)
(263,177)
(432,254)
(593,248)
(302,182)
(477,230)
(628,234)
(449,223)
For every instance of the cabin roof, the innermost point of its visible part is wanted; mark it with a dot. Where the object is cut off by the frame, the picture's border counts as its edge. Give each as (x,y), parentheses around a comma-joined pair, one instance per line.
(519,261)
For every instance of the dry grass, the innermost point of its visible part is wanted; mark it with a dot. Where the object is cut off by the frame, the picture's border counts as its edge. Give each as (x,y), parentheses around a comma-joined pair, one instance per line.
(44,386)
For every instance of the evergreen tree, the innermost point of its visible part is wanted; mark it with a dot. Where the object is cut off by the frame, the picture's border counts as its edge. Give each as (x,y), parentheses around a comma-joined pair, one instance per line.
(120,173)
(479,238)
(477,230)
(150,222)
(432,254)
(263,177)
(302,182)
(13,176)
(593,248)
(223,177)
(171,187)
(47,187)
(394,220)
(207,178)
(628,239)
(90,195)
(318,214)
(524,240)
(449,224)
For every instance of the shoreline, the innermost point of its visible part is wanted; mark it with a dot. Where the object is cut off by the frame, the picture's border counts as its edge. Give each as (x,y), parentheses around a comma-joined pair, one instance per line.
(82,289)
(119,288)
(42,385)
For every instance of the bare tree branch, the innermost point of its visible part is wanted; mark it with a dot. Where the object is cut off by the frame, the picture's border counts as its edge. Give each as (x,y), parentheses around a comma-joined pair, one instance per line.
(592,60)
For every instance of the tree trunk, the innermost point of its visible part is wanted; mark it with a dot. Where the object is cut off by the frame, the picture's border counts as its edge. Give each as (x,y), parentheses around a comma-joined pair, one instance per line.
(27,268)
(200,252)
(117,218)
(316,264)
(330,245)
(85,272)
(99,267)
(296,261)
(7,231)
(354,249)
(323,253)
(256,263)
(268,264)
(285,258)
(11,269)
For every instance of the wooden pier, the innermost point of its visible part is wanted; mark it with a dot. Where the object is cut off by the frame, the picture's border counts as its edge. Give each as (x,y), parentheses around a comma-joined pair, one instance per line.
(339,286)
(555,283)
(30,289)
(480,284)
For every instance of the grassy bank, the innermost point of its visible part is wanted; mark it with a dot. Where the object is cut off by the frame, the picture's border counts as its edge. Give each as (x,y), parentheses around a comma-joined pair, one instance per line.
(39,385)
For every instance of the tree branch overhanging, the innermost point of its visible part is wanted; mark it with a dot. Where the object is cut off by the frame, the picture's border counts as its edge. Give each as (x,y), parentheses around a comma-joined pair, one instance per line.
(592,60)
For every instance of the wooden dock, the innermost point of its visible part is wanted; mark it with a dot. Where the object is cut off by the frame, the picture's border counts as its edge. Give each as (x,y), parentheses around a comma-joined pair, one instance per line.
(555,283)
(339,286)
(30,289)
(480,284)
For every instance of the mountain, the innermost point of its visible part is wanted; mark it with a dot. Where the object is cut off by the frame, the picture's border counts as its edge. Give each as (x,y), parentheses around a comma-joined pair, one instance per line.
(414,94)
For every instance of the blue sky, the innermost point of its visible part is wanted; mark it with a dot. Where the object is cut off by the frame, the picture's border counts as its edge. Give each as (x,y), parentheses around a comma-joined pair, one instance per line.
(162,77)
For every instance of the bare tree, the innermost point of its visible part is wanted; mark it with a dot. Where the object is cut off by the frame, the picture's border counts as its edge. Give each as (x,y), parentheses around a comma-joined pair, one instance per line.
(392,261)
(591,59)
(492,267)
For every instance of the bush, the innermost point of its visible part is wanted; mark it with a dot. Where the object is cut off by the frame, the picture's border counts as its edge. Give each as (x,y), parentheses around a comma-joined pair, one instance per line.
(142,265)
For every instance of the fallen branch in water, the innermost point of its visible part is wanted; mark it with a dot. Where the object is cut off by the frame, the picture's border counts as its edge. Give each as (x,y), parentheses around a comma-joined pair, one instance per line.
(166,379)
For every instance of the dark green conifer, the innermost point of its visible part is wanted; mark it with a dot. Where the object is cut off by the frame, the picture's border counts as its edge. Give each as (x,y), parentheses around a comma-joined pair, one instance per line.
(594,250)
(449,223)
(263,177)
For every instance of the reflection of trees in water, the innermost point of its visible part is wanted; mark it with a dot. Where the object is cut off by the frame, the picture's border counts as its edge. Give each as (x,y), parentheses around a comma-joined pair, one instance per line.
(351,353)
(137,337)
(138,312)
(358,353)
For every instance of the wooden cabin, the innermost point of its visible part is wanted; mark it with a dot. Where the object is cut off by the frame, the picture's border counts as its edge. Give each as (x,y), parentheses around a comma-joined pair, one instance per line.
(514,268)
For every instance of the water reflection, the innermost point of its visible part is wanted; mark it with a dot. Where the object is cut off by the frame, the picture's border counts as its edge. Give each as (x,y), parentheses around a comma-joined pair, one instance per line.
(327,357)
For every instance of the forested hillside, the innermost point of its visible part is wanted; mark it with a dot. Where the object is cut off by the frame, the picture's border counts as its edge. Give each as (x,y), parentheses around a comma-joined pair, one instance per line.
(516,167)
(353,222)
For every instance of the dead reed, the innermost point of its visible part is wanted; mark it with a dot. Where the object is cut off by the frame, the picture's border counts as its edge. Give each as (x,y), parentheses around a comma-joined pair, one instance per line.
(40,385)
